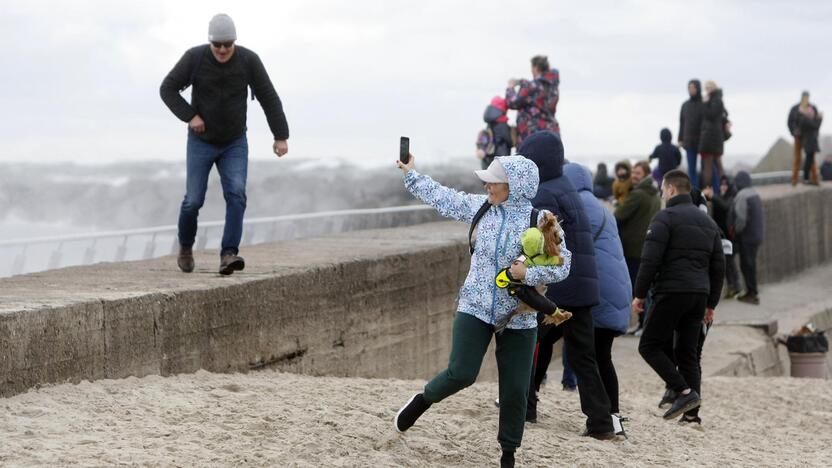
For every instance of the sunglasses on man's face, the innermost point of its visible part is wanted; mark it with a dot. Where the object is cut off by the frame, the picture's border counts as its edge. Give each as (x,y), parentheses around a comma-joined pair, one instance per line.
(220,45)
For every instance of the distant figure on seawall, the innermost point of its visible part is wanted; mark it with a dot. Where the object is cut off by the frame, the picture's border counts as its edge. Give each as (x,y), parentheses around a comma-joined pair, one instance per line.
(220,73)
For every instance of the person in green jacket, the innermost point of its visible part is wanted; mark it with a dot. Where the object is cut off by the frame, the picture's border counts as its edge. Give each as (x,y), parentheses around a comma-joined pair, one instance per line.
(633,217)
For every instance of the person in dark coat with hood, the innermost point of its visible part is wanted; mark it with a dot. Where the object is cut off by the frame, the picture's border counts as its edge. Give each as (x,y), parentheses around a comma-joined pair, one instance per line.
(712,139)
(668,155)
(602,184)
(612,315)
(721,204)
(747,223)
(579,293)
(690,127)
(536,101)
(495,140)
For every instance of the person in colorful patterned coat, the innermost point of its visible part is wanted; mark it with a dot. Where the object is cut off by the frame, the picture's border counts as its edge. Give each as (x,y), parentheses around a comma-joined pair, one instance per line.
(511,181)
(536,101)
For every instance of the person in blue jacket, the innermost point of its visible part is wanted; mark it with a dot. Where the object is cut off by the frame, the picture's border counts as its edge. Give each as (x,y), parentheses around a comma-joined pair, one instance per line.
(612,315)
(511,181)
(579,293)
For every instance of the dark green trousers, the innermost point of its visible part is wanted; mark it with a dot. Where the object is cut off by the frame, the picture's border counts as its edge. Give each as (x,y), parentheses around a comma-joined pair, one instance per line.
(515,355)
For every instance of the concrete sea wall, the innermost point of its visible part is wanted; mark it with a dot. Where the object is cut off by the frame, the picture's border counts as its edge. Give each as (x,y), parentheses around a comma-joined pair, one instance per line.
(376,303)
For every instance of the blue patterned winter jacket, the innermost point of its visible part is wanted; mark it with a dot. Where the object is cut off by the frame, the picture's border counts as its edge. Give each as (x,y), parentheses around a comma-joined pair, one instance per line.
(498,240)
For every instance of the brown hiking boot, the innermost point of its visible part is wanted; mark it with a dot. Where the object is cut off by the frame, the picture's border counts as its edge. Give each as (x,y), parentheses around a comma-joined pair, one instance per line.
(186,259)
(231,263)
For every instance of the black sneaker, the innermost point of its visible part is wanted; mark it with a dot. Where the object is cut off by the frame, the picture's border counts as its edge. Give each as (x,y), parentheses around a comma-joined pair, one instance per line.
(668,398)
(507,460)
(682,404)
(690,420)
(410,412)
(610,436)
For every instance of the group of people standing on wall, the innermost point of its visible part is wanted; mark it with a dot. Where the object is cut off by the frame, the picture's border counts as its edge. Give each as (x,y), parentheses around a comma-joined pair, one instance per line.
(703,129)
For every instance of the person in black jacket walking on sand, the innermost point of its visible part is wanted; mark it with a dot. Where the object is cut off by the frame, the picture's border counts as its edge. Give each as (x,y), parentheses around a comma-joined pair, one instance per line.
(683,261)
(221,73)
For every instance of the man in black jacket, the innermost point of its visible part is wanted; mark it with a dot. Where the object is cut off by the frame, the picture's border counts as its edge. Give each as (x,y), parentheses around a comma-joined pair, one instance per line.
(220,73)
(578,293)
(683,260)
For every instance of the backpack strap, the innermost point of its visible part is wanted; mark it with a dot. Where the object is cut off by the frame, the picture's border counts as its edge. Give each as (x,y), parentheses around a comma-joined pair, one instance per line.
(533,220)
(480,213)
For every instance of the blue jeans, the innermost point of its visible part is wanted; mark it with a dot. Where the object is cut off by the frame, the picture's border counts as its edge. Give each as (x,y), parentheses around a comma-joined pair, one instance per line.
(692,169)
(232,163)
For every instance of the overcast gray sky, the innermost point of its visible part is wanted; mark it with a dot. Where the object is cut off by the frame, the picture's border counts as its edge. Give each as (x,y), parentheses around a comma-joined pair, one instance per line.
(81,78)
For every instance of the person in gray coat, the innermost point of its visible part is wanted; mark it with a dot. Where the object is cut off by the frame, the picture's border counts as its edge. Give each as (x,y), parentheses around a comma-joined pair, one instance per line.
(747,224)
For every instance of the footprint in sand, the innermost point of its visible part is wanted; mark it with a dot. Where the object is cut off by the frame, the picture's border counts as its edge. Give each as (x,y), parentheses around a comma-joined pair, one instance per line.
(232,388)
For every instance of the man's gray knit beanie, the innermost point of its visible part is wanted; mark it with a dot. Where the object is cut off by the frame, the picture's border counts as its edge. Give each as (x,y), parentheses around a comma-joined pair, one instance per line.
(221,29)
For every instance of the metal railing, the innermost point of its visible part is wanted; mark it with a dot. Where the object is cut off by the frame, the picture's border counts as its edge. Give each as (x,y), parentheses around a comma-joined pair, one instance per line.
(138,244)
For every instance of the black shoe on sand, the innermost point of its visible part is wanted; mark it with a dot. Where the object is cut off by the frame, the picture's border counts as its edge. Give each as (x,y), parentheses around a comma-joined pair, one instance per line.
(531,415)
(231,263)
(507,460)
(610,436)
(683,404)
(668,398)
(690,420)
(410,412)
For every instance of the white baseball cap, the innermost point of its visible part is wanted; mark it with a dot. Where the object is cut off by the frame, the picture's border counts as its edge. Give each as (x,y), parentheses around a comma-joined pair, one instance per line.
(495,174)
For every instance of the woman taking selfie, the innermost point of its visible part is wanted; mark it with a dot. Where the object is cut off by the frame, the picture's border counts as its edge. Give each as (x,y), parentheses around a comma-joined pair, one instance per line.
(510,182)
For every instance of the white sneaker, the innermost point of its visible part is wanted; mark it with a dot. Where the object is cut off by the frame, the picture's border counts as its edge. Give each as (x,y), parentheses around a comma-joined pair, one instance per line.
(617,426)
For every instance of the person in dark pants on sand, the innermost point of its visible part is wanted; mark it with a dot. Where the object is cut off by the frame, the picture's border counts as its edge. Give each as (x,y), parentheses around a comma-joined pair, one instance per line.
(579,293)
(511,181)
(220,73)
(683,261)
(747,225)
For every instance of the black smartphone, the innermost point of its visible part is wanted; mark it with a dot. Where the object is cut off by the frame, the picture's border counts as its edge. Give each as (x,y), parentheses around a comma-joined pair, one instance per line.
(404,149)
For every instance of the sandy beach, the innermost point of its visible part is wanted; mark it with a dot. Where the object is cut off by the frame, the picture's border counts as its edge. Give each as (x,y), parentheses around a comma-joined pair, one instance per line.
(275,419)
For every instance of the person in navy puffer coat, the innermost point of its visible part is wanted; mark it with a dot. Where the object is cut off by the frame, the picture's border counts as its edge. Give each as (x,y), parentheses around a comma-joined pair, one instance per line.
(612,315)
(579,292)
